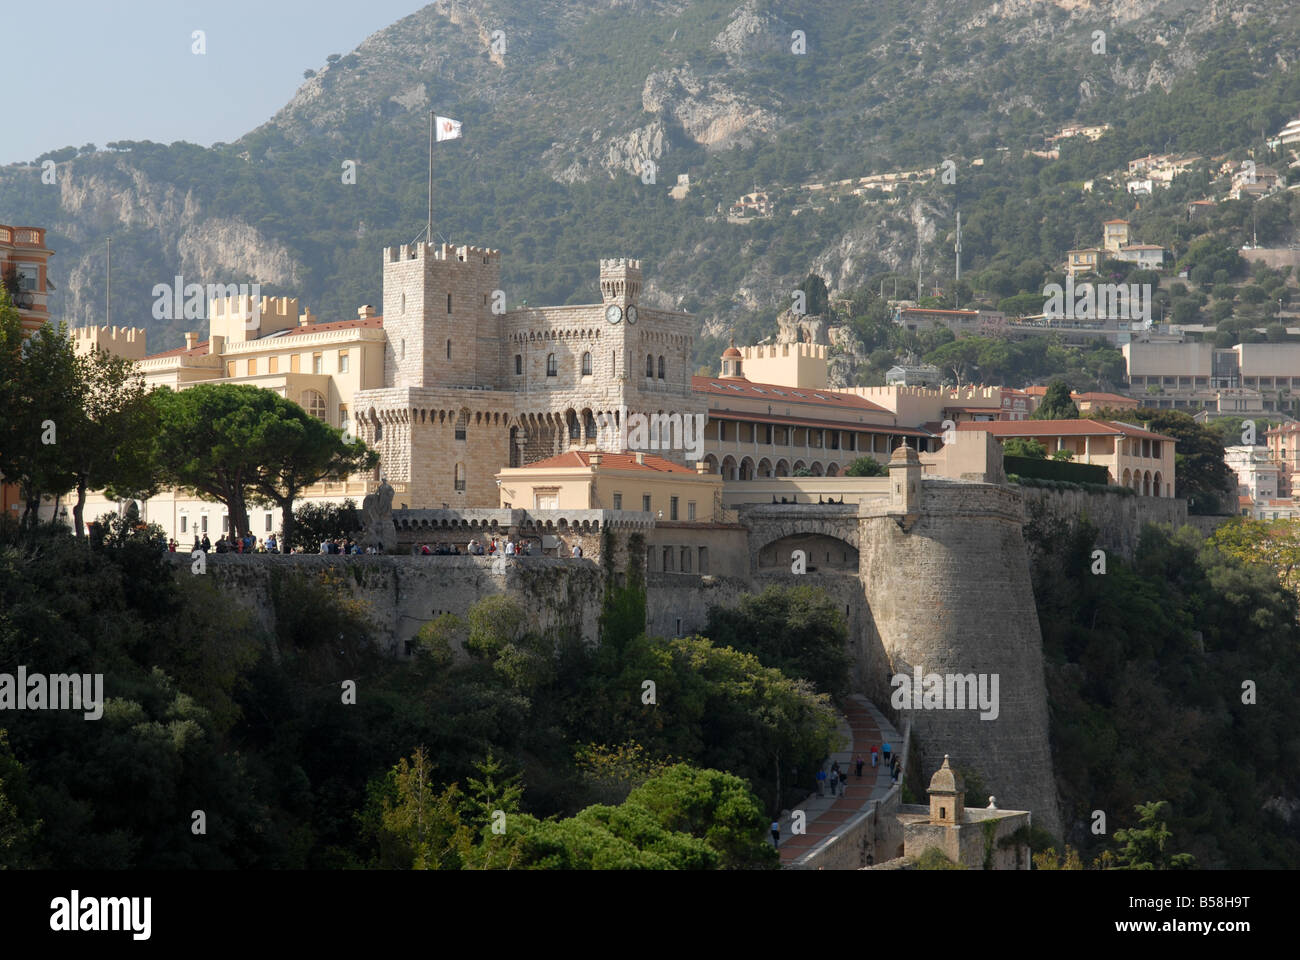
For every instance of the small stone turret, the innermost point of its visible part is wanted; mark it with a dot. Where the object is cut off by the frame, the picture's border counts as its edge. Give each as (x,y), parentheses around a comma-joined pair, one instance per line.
(947,796)
(905,485)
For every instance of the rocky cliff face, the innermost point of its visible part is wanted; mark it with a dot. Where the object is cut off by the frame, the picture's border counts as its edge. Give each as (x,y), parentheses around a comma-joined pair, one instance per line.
(586,93)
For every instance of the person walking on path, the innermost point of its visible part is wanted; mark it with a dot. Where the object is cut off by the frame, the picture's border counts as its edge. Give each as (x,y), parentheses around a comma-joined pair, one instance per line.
(857,762)
(821,783)
(885,751)
(835,782)
(875,756)
(776,833)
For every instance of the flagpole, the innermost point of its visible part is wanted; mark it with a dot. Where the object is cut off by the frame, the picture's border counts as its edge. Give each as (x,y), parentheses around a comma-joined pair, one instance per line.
(428,227)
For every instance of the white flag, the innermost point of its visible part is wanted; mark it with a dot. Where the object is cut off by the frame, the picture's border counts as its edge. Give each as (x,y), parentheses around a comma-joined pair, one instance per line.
(447,128)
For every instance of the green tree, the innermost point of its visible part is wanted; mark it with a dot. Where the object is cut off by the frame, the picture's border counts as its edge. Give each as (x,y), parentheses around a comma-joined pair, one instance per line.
(1144,845)
(866,467)
(414,825)
(798,630)
(315,521)
(1024,447)
(488,804)
(958,356)
(712,806)
(1275,544)
(297,450)
(18,829)
(112,440)
(1202,476)
(1056,404)
(209,442)
(39,408)
(499,635)
(816,295)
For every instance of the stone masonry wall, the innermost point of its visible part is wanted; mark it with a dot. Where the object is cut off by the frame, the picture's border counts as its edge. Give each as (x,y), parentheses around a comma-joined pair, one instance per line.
(1119,519)
(403,593)
(952,595)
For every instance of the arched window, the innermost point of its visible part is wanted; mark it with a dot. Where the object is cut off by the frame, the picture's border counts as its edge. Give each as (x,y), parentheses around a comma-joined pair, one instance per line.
(661,366)
(519,364)
(574,430)
(448,349)
(649,366)
(460,478)
(552,369)
(449,303)
(586,364)
(462,422)
(313,403)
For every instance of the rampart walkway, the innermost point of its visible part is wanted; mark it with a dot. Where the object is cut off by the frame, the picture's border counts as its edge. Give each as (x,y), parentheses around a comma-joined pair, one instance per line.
(860,726)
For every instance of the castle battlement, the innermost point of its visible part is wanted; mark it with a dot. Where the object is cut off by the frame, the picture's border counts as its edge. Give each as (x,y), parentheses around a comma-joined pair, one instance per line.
(126,342)
(441,251)
(620,279)
(815,351)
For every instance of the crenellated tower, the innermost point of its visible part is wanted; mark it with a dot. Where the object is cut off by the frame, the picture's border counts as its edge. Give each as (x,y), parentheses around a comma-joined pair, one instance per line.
(438,316)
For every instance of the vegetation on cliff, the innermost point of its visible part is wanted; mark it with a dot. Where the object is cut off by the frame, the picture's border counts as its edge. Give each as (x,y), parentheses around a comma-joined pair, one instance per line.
(1171,677)
(590,766)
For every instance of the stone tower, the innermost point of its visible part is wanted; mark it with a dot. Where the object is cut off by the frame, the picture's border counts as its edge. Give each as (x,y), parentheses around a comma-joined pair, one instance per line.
(620,281)
(620,288)
(438,316)
(949,593)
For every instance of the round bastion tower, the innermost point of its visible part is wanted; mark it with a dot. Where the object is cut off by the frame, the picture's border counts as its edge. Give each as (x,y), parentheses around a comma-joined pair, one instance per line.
(946,575)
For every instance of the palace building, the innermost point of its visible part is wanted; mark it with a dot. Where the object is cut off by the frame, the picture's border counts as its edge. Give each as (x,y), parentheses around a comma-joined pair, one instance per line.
(451,387)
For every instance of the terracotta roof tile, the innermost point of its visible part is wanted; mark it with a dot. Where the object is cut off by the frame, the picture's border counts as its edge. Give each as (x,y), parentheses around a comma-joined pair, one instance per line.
(1061,428)
(609,461)
(776,393)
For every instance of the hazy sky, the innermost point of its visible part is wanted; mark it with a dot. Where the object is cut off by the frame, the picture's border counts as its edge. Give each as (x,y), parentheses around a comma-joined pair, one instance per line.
(93,71)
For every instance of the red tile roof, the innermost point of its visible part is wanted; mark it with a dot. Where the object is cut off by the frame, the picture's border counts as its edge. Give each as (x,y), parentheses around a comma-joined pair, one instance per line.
(776,393)
(754,417)
(609,461)
(333,325)
(1096,397)
(197,351)
(1061,428)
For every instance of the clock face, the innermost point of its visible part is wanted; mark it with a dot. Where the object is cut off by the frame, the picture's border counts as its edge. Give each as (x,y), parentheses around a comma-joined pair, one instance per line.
(613,313)
(631,314)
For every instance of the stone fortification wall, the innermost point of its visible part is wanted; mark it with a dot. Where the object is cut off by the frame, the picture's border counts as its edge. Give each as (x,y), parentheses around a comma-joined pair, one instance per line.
(402,593)
(1119,519)
(945,588)
(951,594)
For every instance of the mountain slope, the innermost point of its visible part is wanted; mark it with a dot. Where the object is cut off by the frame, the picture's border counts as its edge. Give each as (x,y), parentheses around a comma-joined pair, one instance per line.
(560,123)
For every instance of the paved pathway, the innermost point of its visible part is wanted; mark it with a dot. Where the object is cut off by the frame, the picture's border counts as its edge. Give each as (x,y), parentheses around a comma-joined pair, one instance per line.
(860,726)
